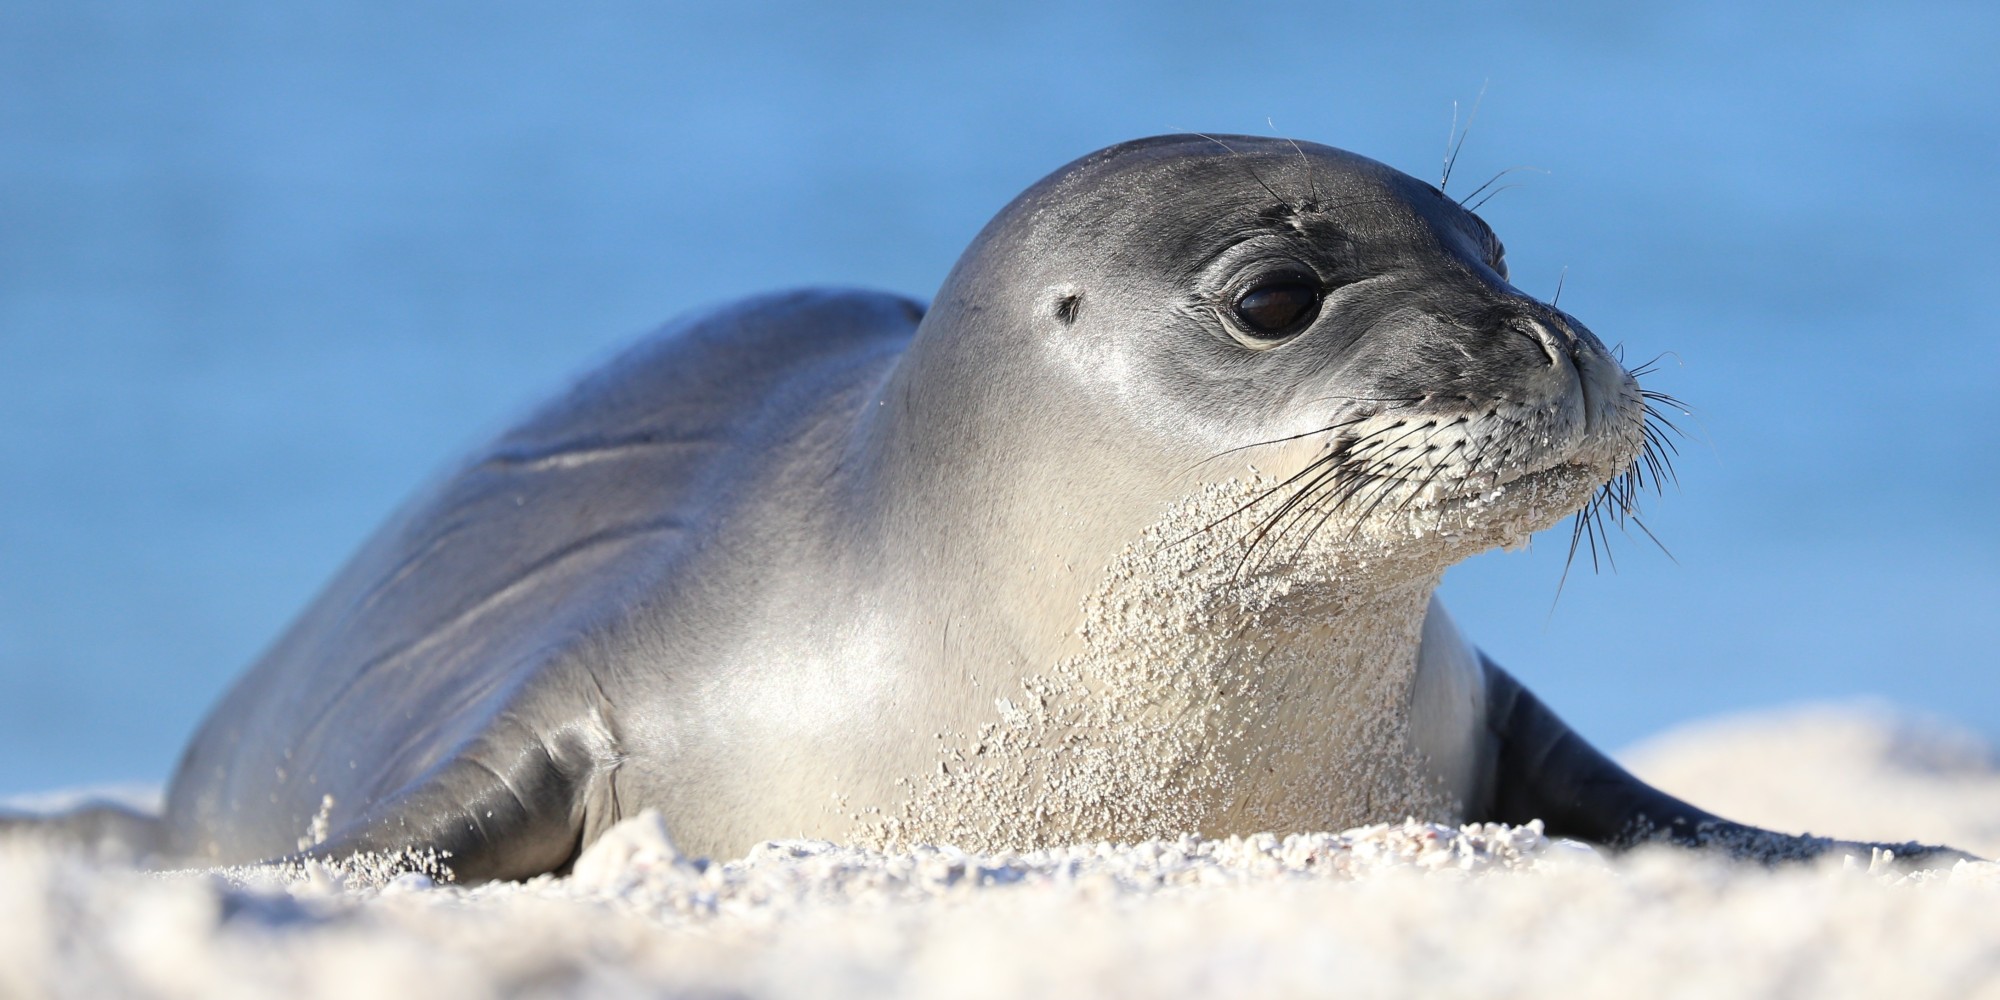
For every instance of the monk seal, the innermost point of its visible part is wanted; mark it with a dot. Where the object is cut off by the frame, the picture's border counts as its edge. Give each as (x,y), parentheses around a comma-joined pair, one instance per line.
(1133,532)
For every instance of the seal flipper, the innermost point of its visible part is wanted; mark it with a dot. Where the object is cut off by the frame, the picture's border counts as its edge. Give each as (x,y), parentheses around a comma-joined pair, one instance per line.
(1537,767)
(505,808)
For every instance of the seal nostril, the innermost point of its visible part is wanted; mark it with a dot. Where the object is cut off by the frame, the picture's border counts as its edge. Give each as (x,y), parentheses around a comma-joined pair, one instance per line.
(1540,333)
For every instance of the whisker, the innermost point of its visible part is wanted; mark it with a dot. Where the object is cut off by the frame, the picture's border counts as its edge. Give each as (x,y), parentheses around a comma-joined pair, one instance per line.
(1456,139)
(1252,171)
(1312,176)
(1226,452)
(1656,540)
(1254,501)
(1474,193)
(1481,203)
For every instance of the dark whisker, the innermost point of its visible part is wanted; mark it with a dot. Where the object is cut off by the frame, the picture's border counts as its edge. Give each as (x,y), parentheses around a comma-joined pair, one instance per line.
(1259,498)
(1617,502)
(1281,440)
(1312,177)
(1389,483)
(1481,203)
(1254,175)
(1335,454)
(1341,496)
(1297,506)
(1437,469)
(1474,193)
(1336,496)
(1315,400)
(1649,368)
(1332,495)
(1655,540)
(1456,139)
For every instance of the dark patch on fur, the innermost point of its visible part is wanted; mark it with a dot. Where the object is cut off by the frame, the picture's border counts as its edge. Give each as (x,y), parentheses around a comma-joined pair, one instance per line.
(1068,307)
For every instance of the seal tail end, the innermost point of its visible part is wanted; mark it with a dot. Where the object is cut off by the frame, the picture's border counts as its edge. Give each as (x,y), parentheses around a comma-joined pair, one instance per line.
(105,831)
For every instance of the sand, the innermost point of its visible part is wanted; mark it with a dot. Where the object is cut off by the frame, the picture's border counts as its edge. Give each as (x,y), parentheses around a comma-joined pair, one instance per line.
(1402,910)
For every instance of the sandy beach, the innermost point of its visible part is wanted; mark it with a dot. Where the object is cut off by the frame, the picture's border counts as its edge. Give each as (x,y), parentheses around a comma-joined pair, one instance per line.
(1400,910)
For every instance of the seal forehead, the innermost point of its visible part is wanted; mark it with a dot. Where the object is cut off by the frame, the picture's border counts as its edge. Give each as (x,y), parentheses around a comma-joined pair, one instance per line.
(1182,198)
(1222,172)
(1167,152)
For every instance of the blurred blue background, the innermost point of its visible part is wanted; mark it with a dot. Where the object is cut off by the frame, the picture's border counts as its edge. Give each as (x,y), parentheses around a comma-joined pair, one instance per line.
(265,266)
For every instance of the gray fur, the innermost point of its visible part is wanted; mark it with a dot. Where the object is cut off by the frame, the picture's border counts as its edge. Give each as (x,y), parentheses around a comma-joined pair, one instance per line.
(790,566)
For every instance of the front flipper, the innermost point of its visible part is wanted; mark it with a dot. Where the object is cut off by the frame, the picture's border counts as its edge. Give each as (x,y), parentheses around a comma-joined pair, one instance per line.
(1537,767)
(515,805)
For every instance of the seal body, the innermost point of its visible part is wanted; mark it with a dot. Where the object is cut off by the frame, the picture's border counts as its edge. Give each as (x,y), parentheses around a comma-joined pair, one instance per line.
(1132,533)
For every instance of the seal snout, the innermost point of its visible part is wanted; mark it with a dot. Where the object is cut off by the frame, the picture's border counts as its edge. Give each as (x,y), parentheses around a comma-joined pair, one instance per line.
(1508,390)
(1600,398)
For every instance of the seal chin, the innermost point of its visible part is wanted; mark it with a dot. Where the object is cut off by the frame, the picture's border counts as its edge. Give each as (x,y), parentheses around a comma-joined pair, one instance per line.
(1599,468)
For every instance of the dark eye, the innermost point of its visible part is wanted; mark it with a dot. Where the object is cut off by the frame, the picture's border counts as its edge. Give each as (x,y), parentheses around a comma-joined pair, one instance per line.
(1278,309)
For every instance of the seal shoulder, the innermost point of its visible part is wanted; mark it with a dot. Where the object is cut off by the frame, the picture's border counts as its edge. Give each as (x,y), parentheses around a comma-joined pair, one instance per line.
(476,607)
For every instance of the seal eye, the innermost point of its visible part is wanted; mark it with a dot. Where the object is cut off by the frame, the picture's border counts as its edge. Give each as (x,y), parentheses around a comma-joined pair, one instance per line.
(1278,309)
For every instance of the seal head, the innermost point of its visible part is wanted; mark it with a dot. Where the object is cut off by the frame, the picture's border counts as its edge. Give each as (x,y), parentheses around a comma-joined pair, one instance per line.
(1198,297)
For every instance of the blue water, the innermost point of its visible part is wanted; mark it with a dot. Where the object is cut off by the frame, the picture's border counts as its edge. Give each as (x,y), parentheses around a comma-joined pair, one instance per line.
(264,266)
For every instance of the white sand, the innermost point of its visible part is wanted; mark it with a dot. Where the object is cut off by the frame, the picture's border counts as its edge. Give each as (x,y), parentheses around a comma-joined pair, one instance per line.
(1405,911)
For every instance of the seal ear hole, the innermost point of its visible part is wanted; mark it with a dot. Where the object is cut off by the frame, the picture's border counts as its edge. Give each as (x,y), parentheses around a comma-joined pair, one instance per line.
(1068,306)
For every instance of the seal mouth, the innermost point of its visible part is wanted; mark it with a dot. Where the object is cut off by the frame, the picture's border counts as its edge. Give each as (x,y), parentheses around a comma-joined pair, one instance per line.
(1409,474)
